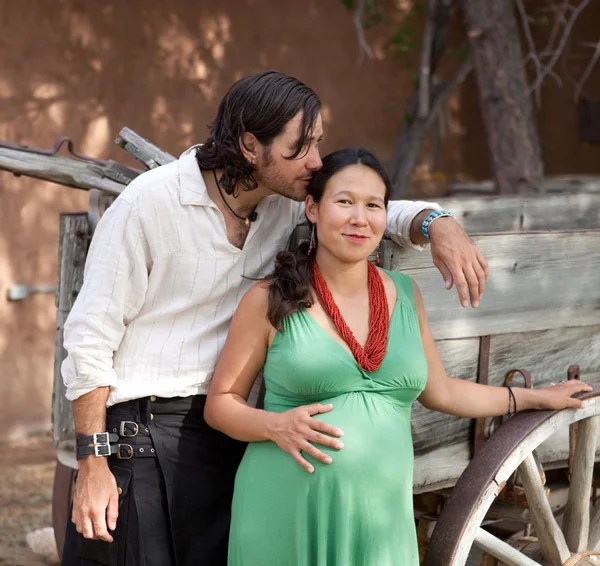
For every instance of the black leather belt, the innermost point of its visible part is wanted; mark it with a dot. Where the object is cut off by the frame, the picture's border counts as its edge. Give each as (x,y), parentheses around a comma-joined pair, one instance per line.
(100,438)
(120,442)
(128,429)
(121,451)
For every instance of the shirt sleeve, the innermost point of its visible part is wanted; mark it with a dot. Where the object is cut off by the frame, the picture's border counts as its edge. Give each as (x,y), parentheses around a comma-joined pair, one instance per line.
(299,212)
(113,291)
(401,214)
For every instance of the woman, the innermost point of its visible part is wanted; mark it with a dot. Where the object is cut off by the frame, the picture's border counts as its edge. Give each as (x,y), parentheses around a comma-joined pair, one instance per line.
(346,349)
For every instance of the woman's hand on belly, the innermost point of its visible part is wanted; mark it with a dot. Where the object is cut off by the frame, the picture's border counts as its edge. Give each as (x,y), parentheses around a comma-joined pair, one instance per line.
(296,431)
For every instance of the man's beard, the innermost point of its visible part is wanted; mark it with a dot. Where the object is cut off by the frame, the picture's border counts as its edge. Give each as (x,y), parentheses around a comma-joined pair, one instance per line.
(271,177)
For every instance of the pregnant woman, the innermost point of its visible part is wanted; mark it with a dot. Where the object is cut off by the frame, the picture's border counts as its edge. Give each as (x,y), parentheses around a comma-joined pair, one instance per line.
(326,479)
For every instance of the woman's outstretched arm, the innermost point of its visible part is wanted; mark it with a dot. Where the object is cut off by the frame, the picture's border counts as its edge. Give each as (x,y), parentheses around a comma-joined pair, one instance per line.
(242,358)
(466,399)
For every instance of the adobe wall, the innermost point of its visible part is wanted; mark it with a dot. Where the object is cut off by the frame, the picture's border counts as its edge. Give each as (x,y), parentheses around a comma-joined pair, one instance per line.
(85,69)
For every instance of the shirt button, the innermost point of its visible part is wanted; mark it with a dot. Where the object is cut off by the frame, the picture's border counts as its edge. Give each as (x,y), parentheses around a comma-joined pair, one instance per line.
(119,490)
(151,417)
(153,398)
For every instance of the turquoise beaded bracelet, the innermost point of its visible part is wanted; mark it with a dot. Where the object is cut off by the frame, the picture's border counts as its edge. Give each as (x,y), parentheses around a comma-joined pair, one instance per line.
(431,217)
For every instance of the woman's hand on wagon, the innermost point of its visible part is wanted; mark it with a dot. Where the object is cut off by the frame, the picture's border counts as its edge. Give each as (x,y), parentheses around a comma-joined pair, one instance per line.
(296,431)
(559,395)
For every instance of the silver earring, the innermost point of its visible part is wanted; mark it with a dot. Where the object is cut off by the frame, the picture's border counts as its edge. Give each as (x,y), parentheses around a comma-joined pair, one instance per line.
(311,245)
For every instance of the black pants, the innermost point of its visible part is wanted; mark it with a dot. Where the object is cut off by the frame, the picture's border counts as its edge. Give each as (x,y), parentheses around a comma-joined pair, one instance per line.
(174,509)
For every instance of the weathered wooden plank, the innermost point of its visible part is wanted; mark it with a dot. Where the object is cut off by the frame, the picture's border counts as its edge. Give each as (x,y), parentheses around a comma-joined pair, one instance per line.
(547,530)
(546,354)
(440,468)
(576,522)
(71,261)
(557,184)
(431,429)
(442,442)
(486,215)
(121,173)
(563,212)
(143,150)
(67,171)
(537,281)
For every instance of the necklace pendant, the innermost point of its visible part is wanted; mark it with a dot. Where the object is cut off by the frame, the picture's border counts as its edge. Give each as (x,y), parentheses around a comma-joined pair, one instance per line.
(246,222)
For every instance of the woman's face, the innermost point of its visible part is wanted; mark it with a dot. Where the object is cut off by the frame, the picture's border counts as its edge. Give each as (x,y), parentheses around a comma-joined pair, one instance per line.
(351,217)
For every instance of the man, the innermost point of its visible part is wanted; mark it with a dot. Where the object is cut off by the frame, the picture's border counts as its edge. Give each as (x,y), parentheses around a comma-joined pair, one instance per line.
(168,264)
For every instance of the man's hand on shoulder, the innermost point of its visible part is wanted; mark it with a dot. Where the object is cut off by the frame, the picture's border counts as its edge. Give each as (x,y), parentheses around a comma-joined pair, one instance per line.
(459,260)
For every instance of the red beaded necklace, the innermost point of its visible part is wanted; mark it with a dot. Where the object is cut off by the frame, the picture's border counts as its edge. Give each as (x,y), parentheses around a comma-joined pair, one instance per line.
(369,358)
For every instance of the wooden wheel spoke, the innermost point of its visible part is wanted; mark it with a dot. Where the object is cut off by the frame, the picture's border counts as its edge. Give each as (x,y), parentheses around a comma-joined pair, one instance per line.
(552,540)
(594,537)
(502,550)
(576,522)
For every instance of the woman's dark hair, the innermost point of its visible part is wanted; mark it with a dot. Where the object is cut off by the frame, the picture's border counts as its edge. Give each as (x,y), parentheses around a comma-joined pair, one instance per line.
(260,104)
(289,283)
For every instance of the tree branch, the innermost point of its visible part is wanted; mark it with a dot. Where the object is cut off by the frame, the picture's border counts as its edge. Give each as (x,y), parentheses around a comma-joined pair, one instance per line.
(408,145)
(426,52)
(588,70)
(446,89)
(559,19)
(531,46)
(419,119)
(576,10)
(363,45)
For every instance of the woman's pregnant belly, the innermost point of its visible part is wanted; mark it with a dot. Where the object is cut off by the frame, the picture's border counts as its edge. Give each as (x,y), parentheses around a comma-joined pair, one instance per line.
(377,445)
(355,511)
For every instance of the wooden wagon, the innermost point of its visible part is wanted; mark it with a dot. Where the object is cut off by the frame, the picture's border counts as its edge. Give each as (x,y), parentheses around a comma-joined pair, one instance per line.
(522,496)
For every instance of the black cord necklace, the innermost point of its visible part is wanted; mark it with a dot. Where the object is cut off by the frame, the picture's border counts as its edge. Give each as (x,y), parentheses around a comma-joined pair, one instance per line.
(251,218)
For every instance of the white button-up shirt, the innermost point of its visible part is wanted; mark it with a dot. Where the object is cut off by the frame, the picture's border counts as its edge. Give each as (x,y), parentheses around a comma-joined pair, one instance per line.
(162,283)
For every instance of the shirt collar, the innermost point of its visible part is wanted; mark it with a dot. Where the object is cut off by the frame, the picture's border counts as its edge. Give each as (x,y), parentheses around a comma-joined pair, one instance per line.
(192,186)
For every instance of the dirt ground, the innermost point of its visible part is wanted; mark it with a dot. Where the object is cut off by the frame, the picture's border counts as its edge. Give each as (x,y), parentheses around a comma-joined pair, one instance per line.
(26,478)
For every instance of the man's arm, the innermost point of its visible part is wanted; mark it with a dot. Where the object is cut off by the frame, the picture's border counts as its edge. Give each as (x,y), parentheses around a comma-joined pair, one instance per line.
(114,287)
(115,284)
(453,252)
(95,499)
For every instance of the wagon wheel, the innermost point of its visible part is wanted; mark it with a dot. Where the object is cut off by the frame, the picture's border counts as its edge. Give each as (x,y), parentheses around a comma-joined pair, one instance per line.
(509,448)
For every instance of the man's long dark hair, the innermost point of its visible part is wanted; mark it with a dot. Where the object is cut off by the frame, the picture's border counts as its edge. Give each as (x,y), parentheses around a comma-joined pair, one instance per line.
(260,104)
(289,283)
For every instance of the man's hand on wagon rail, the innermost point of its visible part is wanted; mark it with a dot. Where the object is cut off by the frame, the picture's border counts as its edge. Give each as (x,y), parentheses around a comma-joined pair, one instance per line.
(96,499)
(459,260)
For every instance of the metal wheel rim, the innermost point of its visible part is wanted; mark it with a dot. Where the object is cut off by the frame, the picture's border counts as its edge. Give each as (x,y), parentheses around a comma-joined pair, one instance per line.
(474,493)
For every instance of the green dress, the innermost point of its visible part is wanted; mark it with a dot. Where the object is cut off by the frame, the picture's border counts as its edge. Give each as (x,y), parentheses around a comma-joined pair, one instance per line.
(358,510)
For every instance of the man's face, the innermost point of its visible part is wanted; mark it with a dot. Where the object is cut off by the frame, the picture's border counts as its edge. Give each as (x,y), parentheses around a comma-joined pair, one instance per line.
(290,177)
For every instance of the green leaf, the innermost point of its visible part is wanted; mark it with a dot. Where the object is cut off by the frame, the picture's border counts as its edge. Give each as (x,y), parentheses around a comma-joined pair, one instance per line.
(420,7)
(459,53)
(542,21)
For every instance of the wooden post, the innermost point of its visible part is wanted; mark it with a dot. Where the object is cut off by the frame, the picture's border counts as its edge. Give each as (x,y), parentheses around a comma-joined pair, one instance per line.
(73,245)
